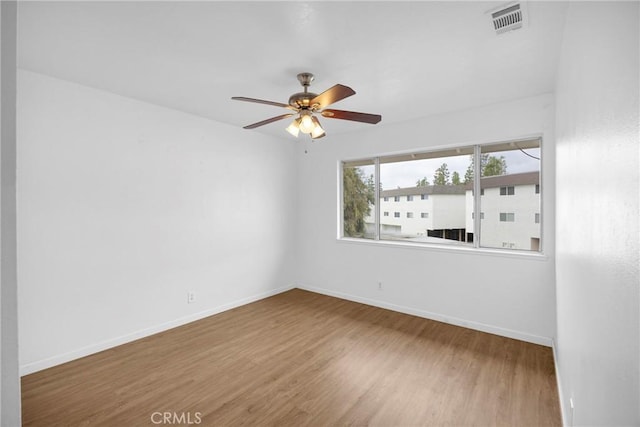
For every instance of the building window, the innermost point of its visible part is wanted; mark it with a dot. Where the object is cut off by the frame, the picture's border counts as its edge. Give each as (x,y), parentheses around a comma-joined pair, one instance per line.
(507,191)
(386,199)
(473,215)
(507,217)
(449,177)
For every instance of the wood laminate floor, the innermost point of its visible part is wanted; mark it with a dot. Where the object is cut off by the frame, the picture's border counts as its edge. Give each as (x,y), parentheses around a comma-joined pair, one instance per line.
(299,359)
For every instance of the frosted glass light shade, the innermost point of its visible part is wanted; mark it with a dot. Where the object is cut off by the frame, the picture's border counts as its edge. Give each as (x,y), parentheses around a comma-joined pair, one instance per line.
(294,128)
(306,123)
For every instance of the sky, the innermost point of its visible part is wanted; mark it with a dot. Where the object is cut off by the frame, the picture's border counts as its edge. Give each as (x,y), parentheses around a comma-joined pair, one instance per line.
(405,174)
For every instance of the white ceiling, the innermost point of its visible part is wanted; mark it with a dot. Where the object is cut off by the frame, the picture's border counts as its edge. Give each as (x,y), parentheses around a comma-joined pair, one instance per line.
(404,59)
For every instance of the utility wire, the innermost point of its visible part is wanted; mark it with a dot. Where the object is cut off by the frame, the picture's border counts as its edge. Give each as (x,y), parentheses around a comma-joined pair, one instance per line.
(527,154)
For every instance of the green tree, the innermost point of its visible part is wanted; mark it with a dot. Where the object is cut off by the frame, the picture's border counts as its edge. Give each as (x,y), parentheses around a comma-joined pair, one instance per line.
(422,182)
(359,193)
(489,166)
(455,178)
(495,166)
(441,177)
(468,175)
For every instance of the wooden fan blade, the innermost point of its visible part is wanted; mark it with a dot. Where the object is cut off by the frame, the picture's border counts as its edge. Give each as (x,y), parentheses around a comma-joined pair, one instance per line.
(331,95)
(262,101)
(266,122)
(352,115)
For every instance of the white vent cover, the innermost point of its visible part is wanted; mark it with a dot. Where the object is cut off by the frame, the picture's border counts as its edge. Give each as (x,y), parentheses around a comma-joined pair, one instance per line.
(508,18)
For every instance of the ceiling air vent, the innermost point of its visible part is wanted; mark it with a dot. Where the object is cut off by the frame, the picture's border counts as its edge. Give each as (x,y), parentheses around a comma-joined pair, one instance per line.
(508,18)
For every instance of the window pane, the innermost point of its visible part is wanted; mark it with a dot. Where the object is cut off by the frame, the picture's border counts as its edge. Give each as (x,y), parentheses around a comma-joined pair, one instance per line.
(434,184)
(358,202)
(511,195)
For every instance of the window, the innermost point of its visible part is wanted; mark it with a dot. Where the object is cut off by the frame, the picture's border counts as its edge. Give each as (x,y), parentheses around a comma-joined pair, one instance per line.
(386,199)
(510,174)
(507,217)
(449,178)
(358,205)
(507,191)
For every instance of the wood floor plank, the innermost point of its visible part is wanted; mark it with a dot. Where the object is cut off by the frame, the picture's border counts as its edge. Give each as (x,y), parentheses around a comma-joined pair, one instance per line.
(299,359)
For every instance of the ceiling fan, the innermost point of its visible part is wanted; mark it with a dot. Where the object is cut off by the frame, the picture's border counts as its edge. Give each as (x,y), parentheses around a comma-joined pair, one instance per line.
(305,104)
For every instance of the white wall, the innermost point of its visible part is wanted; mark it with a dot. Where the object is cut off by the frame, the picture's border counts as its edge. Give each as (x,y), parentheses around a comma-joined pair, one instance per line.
(124,207)
(510,295)
(598,283)
(10,382)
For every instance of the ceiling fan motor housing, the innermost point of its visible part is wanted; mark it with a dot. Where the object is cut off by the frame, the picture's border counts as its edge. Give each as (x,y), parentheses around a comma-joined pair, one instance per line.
(302,99)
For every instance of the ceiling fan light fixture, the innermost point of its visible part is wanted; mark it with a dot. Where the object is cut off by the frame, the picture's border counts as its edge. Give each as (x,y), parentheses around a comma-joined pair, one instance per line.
(294,127)
(317,131)
(306,122)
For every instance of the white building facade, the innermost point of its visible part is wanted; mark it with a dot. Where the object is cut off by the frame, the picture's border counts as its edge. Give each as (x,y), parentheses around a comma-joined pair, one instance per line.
(509,217)
(422,211)
(510,211)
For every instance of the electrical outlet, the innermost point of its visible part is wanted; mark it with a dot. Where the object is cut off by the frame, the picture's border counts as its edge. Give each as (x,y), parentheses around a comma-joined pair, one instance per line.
(191,297)
(379,286)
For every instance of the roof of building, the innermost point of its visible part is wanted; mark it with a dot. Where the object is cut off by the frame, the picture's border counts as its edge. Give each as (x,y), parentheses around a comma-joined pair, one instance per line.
(526,178)
(429,189)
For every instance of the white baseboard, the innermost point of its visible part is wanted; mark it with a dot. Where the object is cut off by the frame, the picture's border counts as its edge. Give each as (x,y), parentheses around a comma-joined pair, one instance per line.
(522,336)
(39,365)
(559,384)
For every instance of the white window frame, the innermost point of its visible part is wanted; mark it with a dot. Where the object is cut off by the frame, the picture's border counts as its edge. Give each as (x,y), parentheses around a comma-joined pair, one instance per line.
(477,230)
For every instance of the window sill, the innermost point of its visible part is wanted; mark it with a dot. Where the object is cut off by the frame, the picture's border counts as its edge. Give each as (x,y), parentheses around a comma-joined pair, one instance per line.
(505,253)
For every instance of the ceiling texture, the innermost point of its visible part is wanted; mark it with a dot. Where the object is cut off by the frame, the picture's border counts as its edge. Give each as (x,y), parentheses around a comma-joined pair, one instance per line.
(404,59)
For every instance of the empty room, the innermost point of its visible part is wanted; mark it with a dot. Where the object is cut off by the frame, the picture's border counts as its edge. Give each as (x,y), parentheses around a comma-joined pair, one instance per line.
(320,213)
